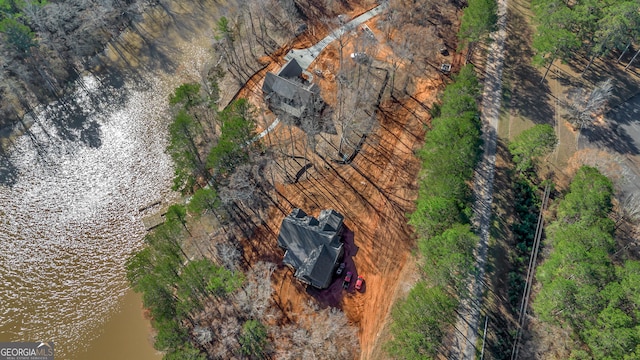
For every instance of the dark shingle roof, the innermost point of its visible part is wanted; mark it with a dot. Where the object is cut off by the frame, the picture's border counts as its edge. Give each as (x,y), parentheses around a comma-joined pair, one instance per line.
(287,90)
(313,245)
(290,70)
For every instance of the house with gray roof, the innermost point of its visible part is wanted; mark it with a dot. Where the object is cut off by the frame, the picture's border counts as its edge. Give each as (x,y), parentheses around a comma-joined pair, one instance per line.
(288,92)
(313,247)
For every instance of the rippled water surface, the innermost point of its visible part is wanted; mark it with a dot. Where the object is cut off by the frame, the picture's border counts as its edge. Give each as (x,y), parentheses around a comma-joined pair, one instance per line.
(70,191)
(70,217)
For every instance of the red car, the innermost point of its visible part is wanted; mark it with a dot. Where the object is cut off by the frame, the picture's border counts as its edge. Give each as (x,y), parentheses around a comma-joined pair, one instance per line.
(359,282)
(347,280)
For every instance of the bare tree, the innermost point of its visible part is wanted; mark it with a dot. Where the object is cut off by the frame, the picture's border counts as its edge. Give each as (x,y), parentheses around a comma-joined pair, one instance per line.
(628,209)
(319,334)
(419,14)
(312,127)
(585,107)
(359,90)
(242,188)
(254,301)
(246,196)
(228,254)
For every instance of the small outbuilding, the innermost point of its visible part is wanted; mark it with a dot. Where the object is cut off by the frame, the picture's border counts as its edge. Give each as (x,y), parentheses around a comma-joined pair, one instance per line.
(313,247)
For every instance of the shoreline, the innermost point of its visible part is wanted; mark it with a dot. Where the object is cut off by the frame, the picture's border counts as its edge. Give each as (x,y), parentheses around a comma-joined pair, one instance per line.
(74,179)
(9,134)
(152,23)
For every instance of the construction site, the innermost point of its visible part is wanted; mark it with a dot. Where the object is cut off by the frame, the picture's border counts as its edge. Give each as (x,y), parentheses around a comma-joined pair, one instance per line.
(356,156)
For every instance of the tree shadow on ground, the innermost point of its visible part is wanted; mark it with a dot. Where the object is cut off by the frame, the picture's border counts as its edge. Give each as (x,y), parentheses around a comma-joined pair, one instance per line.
(566,79)
(8,171)
(612,136)
(605,66)
(620,131)
(149,47)
(530,94)
(263,246)
(625,113)
(153,45)
(501,323)
(626,82)
(624,119)
(503,184)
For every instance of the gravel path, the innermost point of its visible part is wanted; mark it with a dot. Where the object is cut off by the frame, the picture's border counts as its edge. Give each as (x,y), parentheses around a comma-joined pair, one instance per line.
(306,56)
(469,312)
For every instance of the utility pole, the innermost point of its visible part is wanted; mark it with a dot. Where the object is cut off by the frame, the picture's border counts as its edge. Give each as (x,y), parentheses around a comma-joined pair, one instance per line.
(484,336)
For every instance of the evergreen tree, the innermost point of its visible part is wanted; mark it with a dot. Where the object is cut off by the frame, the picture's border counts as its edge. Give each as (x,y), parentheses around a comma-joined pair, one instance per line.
(419,322)
(18,35)
(253,339)
(183,135)
(532,143)
(202,200)
(478,20)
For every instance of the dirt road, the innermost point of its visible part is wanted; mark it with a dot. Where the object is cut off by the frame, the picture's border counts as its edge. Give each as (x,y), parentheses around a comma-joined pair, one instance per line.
(469,312)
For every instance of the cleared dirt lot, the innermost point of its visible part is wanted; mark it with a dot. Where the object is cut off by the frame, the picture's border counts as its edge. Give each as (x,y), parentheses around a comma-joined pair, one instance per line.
(373,193)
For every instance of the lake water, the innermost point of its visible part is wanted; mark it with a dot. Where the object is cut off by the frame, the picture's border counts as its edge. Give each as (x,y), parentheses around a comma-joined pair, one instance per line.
(70,218)
(71,190)
(127,335)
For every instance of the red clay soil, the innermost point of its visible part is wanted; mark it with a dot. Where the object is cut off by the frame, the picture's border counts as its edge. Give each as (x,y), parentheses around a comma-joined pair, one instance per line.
(373,193)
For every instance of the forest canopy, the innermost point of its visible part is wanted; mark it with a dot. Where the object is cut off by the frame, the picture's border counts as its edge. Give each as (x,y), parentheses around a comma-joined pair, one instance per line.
(583,285)
(445,240)
(46,44)
(593,27)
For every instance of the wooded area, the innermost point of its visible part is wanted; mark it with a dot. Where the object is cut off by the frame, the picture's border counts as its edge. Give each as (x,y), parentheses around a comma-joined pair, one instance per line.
(229,177)
(214,153)
(224,307)
(441,220)
(528,151)
(443,208)
(584,250)
(585,285)
(48,44)
(591,28)
(213,299)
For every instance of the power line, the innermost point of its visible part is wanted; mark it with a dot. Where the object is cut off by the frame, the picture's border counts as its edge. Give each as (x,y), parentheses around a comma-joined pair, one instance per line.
(530,273)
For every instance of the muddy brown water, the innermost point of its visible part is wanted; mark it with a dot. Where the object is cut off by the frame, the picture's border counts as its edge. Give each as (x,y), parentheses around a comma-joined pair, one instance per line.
(127,335)
(70,194)
(71,219)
